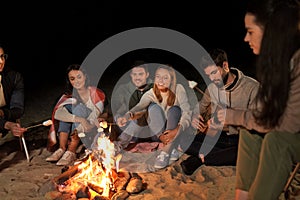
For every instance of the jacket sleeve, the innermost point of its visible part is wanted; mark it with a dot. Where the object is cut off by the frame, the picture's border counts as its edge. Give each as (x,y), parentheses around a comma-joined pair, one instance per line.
(184,104)
(16,107)
(290,121)
(243,118)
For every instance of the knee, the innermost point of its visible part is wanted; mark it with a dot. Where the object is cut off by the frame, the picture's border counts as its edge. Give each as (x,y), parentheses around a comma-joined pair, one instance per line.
(174,110)
(153,107)
(81,110)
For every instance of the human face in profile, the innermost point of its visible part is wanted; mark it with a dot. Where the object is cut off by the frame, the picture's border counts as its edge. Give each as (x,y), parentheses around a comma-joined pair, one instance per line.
(139,76)
(254,33)
(162,79)
(77,79)
(2,59)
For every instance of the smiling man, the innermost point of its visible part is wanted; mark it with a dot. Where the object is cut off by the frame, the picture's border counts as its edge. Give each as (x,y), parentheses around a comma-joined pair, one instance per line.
(126,97)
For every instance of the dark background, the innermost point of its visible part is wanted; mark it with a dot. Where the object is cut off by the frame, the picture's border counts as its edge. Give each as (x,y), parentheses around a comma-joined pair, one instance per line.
(43,38)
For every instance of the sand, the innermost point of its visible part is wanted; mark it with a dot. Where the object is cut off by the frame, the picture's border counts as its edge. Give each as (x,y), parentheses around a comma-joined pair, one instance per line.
(23,180)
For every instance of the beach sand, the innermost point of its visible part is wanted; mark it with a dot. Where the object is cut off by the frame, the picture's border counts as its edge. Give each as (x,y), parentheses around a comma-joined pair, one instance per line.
(23,180)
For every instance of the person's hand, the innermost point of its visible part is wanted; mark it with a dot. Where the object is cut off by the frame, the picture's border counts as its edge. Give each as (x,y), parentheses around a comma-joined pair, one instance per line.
(86,125)
(169,135)
(15,128)
(121,121)
(1,113)
(199,124)
(219,117)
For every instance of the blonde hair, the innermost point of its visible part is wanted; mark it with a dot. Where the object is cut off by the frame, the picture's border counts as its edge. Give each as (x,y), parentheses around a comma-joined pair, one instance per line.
(172,87)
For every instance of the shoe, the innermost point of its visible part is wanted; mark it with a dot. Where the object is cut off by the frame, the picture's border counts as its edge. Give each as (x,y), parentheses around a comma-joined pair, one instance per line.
(162,160)
(67,159)
(175,154)
(190,165)
(56,155)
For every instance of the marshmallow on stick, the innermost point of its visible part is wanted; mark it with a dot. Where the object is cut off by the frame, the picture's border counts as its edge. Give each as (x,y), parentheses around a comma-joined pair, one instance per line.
(45,123)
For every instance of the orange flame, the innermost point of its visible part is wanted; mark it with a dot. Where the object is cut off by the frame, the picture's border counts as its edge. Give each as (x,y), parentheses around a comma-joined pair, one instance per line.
(95,172)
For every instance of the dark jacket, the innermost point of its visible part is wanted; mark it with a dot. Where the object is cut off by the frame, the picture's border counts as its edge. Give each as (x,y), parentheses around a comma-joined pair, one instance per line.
(13,89)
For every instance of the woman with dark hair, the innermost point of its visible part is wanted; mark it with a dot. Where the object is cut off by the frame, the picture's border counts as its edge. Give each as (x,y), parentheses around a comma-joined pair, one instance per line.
(78,112)
(266,158)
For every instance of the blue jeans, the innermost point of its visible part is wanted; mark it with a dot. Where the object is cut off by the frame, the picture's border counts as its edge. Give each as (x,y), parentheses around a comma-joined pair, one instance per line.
(157,124)
(79,110)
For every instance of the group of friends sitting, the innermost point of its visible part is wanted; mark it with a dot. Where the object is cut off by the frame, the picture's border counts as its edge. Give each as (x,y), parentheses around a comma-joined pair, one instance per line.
(239,120)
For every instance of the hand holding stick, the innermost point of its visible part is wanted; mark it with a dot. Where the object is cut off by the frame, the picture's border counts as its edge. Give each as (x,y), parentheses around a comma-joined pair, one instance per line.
(193,85)
(45,123)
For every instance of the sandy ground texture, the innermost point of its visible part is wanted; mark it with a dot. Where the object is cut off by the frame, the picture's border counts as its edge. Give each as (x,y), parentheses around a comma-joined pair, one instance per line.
(23,180)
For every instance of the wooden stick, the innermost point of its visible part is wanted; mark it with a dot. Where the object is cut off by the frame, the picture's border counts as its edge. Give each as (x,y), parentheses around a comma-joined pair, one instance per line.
(193,85)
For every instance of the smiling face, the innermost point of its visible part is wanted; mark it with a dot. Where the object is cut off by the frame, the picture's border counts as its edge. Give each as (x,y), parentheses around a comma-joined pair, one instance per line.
(77,79)
(162,79)
(254,33)
(139,76)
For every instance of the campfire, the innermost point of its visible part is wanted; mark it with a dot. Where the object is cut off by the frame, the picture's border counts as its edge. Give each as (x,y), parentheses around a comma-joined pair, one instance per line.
(97,176)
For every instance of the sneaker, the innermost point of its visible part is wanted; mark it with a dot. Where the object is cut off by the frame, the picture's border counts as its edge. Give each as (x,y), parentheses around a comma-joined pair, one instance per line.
(67,159)
(56,155)
(162,160)
(190,165)
(174,155)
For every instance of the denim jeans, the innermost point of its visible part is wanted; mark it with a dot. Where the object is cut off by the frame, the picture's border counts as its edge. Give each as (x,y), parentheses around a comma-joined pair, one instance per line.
(79,110)
(157,123)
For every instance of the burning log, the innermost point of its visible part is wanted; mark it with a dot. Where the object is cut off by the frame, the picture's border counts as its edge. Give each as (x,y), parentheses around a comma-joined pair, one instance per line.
(82,193)
(95,187)
(66,175)
(97,177)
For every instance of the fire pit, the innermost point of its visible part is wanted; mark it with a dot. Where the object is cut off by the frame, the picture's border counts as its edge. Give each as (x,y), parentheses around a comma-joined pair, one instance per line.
(97,177)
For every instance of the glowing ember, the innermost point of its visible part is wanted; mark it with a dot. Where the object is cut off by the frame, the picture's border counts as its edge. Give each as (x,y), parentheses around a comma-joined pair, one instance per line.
(96,174)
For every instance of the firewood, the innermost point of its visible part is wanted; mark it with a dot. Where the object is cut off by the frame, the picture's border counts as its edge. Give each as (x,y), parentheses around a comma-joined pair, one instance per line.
(122,180)
(66,175)
(120,195)
(95,187)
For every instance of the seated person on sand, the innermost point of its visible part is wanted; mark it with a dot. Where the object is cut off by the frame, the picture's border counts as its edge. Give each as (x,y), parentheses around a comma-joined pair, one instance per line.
(168,113)
(11,100)
(78,114)
(126,96)
(229,88)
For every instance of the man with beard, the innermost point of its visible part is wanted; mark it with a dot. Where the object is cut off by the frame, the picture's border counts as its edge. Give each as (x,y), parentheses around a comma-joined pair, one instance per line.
(229,88)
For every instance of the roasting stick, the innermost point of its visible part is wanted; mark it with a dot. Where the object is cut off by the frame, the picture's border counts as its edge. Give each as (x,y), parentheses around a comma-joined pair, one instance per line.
(25,148)
(193,85)
(45,123)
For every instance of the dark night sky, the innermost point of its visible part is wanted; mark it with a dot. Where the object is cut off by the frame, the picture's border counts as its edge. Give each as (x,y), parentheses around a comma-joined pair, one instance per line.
(44,38)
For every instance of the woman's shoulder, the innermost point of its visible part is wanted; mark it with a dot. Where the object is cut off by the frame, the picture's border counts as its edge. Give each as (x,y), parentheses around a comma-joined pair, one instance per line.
(295,61)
